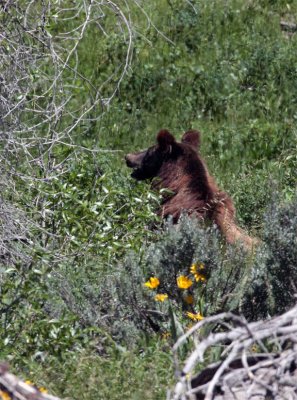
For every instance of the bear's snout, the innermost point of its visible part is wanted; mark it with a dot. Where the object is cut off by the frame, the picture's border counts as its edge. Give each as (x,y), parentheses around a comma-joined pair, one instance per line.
(134,160)
(130,161)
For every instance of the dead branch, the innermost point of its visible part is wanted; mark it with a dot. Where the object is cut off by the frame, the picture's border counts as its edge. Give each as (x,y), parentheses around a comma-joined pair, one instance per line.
(288,26)
(41,107)
(13,388)
(242,374)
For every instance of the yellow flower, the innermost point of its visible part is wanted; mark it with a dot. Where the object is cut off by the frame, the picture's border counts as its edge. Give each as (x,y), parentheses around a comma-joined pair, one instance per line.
(254,348)
(161,297)
(189,376)
(189,299)
(43,390)
(196,267)
(195,270)
(183,282)
(195,317)
(199,277)
(29,382)
(4,395)
(165,335)
(152,283)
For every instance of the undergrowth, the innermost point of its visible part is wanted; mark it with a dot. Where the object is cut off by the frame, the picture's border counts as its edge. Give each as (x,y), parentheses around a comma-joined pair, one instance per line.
(98,302)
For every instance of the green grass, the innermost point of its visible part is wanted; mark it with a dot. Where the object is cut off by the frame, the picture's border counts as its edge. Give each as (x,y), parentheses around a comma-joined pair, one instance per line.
(115,374)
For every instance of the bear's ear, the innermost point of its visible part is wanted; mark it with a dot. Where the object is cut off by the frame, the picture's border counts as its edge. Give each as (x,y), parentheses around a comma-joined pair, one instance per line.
(192,138)
(165,140)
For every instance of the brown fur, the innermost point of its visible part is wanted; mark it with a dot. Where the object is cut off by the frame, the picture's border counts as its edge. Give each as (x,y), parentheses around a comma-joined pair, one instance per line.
(178,167)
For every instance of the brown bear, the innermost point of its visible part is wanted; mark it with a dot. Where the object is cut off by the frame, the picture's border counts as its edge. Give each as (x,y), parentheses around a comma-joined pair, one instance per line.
(178,167)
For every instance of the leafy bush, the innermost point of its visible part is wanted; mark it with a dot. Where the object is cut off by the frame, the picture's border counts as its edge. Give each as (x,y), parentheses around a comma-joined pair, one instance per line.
(189,272)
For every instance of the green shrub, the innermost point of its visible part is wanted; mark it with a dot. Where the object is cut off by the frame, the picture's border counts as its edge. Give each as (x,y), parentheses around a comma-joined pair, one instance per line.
(123,303)
(271,289)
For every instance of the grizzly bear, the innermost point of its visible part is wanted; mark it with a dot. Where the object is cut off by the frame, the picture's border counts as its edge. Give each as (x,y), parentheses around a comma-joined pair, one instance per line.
(178,167)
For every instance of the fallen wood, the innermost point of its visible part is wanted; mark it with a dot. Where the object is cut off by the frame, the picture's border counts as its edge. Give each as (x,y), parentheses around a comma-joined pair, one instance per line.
(13,388)
(241,374)
(288,26)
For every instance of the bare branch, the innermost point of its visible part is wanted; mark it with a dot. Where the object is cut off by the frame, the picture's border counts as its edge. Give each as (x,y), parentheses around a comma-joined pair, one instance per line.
(242,372)
(48,100)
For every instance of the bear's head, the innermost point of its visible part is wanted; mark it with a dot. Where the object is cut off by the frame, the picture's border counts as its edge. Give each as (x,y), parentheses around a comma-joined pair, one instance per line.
(147,164)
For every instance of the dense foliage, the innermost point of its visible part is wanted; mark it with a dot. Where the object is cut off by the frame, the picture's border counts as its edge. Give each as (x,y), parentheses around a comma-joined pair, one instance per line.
(79,237)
